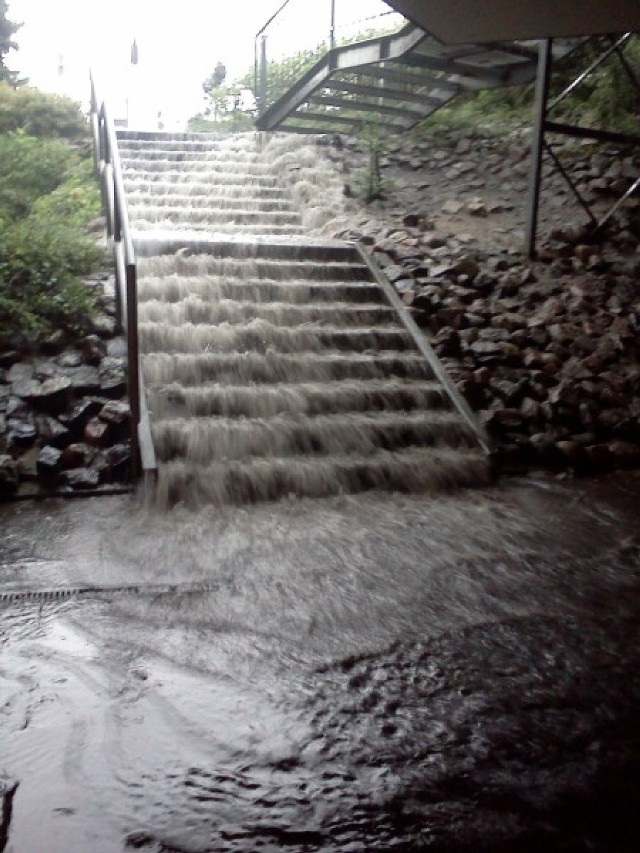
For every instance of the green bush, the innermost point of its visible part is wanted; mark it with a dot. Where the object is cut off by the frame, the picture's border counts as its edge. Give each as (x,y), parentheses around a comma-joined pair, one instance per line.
(40,266)
(30,168)
(48,194)
(76,201)
(39,113)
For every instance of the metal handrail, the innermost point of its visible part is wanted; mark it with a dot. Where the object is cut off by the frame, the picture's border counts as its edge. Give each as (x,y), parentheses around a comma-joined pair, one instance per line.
(456,399)
(109,171)
(266,89)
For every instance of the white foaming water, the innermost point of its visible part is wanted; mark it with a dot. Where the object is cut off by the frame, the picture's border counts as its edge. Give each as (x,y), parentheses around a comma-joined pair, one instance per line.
(229,167)
(315,185)
(273,363)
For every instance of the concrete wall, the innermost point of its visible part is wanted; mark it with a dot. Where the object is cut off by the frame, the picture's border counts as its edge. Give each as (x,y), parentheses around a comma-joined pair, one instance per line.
(460,21)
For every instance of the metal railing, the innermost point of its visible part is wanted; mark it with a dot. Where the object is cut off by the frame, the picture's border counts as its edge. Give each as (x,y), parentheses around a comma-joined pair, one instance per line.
(109,172)
(299,33)
(456,399)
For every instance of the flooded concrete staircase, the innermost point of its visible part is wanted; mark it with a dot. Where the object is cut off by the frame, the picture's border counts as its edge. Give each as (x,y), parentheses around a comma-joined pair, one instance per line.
(275,364)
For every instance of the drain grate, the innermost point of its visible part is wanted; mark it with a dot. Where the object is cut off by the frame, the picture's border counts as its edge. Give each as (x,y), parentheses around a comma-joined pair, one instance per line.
(63,593)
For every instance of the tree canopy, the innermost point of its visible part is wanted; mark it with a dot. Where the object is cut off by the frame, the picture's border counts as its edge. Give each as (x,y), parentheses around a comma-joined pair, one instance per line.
(215,80)
(229,106)
(7,30)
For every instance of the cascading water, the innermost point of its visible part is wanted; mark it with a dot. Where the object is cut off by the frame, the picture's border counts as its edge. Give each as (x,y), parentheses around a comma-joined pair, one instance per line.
(274,365)
(217,186)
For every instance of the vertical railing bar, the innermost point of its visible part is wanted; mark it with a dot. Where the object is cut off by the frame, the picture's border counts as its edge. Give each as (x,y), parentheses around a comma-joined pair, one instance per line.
(104,193)
(264,70)
(261,95)
(119,278)
(258,98)
(537,143)
(133,375)
(95,135)
(332,26)
(117,208)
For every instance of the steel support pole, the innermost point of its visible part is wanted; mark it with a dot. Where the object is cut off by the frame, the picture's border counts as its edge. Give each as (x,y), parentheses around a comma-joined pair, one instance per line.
(262,98)
(537,144)
(332,26)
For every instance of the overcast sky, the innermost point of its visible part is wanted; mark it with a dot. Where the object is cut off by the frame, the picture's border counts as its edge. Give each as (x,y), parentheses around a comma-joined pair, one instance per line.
(179,44)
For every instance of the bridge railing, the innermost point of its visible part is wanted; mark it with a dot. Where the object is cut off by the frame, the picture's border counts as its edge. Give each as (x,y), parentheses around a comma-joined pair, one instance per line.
(299,33)
(109,172)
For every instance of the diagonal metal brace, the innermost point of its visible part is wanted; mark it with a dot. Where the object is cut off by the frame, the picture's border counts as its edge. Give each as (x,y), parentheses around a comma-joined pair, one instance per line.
(571,183)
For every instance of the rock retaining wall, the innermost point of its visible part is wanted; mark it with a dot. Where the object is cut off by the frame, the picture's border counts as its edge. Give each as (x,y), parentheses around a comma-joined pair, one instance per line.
(64,417)
(548,352)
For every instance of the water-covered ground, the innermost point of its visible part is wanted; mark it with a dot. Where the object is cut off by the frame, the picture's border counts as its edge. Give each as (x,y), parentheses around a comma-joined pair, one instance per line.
(362,674)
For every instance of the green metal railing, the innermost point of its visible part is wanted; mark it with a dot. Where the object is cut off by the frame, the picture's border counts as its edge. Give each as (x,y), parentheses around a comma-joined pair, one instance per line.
(299,33)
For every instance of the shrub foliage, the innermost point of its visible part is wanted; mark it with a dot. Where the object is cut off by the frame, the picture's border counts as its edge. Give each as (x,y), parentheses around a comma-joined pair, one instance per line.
(39,113)
(47,197)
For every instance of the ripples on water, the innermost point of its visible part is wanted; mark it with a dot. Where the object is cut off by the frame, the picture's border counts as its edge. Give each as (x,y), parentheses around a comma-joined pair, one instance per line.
(380,673)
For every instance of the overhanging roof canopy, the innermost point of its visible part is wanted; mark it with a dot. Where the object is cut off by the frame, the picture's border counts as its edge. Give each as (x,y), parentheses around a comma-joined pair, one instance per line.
(461,21)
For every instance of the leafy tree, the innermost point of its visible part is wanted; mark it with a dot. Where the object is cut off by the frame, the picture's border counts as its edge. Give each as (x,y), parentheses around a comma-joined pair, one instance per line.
(226,108)
(7,30)
(39,113)
(215,80)
(217,93)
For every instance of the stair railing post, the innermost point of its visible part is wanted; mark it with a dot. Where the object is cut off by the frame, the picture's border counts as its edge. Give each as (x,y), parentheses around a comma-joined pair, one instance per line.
(105,148)
(262,97)
(117,211)
(537,143)
(332,26)
(133,372)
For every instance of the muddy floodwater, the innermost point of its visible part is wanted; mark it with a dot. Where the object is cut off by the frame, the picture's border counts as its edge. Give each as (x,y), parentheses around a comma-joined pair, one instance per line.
(380,673)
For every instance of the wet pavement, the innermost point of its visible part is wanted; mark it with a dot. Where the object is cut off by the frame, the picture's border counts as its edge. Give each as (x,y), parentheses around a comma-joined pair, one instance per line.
(383,673)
